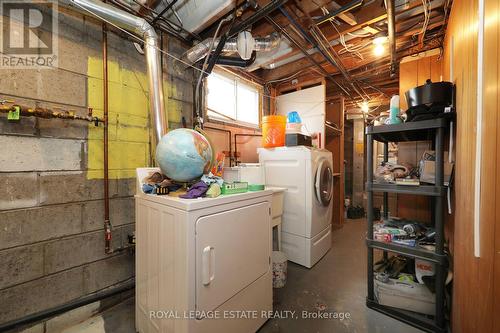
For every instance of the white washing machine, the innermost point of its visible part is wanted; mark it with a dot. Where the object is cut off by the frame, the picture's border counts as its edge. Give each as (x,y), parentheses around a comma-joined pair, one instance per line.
(202,265)
(307,175)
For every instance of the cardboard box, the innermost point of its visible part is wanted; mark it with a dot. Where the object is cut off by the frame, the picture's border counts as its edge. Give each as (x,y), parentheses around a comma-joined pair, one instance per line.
(428,172)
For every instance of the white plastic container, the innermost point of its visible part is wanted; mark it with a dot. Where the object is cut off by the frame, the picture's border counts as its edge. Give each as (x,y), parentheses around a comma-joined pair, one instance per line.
(293,128)
(248,172)
(279,269)
(405,295)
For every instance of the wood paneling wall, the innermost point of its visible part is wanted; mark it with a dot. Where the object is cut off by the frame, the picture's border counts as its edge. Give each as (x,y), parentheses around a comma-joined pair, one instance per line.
(476,292)
(414,71)
(335,144)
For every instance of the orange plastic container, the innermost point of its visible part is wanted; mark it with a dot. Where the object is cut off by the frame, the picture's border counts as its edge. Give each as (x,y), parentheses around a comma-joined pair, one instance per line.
(273,131)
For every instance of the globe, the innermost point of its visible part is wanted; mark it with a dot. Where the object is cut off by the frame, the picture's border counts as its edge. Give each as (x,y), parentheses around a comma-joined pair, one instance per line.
(184,155)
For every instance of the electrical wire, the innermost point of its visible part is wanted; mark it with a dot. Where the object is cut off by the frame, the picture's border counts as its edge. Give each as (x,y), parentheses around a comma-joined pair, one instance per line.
(350,48)
(427,6)
(203,67)
(201,70)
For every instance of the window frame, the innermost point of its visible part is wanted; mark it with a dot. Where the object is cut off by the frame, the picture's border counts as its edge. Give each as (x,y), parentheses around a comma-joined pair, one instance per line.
(234,122)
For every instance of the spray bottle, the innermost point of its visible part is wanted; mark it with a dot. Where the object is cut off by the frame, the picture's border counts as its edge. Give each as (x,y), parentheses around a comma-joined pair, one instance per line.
(394,112)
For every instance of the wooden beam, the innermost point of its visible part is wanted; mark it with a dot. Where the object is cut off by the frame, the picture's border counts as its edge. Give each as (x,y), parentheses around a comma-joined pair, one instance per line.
(371,14)
(346,17)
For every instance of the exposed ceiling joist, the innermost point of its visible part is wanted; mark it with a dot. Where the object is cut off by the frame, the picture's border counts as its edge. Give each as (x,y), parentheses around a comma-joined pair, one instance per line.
(346,17)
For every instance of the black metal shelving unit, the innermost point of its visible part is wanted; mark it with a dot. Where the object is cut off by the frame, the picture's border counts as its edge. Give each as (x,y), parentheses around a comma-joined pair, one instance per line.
(433,130)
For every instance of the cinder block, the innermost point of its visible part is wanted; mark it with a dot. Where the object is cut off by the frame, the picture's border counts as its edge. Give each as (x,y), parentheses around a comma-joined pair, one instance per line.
(107,272)
(13,80)
(126,230)
(20,265)
(26,226)
(55,85)
(62,128)
(176,46)
(93,33)
(177,68)
(133,129)
(72,55)
(178,109)
(41,294)
(95,98)
(70,23)
(83,248)
(127,155)
(25,126)
(130,100)
(60,86)
(123,52)
(126,187)
(18,190)
(63,187)
(180,89)
(135,78)
(41,154)
(121,212)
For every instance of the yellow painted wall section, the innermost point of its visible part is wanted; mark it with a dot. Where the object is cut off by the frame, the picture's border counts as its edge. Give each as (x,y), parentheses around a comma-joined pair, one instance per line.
(128,120)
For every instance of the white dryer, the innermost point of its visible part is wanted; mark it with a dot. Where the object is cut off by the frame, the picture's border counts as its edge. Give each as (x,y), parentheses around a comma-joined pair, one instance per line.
(202,265)
(307,175)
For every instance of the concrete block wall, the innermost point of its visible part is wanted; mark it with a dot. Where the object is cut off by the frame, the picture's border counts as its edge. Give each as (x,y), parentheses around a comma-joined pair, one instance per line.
(51,187)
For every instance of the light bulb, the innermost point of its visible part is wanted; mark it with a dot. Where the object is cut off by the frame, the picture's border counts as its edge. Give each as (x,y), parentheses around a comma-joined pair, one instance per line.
(364,107)
(379,50)
(379,40)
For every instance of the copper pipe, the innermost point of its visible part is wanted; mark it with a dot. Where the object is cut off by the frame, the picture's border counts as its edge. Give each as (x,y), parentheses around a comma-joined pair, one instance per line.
(107,223)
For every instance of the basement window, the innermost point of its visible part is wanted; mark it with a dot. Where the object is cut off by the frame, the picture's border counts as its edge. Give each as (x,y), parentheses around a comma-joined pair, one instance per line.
(231,99)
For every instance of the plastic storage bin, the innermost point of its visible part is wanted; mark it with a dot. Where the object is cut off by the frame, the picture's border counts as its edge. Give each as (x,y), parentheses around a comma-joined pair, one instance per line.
(252,173)
(409,296)
(273,131)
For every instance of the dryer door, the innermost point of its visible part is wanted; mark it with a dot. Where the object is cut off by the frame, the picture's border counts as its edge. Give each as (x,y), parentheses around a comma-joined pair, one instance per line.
(324,182)
(232,251)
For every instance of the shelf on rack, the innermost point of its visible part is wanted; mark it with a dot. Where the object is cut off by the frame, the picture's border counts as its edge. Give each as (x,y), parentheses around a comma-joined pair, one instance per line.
(336,174)
(332,130)
(414,319)
(410,131)
(414,252)
(428,190)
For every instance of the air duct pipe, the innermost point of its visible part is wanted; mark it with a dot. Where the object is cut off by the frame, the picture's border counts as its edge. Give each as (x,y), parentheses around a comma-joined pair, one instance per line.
(235,61)
(391,26)
(244,44)
(144,30)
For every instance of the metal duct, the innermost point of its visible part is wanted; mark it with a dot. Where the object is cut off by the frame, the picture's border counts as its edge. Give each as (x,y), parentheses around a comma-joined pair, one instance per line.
(391,26)
(265,58)
(143,29)
(244,44)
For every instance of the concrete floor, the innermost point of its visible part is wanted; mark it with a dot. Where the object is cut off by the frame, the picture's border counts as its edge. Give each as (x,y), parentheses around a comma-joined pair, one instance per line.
(335,285)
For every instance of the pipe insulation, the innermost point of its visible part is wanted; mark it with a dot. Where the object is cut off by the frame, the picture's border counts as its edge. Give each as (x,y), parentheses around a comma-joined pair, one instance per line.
(141,28)
(244,44)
